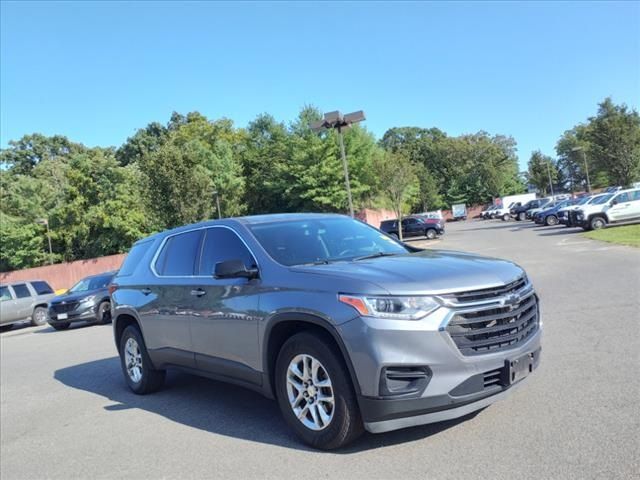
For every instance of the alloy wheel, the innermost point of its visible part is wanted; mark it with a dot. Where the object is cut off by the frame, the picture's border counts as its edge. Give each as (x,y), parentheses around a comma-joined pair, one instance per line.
(133,360)
(310,392)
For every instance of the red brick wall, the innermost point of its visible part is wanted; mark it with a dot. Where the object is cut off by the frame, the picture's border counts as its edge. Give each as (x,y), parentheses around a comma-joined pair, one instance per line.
(65,275)
(374,217)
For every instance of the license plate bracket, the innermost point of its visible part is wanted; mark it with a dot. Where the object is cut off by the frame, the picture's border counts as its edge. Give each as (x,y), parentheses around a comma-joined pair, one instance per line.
(516,369)
(63,316)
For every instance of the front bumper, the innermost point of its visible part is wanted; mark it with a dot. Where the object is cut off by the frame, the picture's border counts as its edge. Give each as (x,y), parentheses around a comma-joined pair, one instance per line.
(456,385)
(81,313)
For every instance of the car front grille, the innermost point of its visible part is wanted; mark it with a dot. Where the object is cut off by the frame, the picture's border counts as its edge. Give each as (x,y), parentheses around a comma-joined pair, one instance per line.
(488,293)
(64,307)
(495,329)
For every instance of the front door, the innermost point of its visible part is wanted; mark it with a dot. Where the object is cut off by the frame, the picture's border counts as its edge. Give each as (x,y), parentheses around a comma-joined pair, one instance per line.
(24,300)
(621,207)
(224,324)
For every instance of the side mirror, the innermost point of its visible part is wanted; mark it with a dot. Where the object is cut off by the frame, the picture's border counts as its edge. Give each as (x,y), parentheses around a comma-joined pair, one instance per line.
(234,269)
(613,202)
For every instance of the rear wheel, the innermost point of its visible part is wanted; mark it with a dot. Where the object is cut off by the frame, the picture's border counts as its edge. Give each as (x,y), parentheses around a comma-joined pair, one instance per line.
(431,233)
(551,221)
(136,365)
(39,316)
(522,216)
(315,393)
(104,313)
(505,217)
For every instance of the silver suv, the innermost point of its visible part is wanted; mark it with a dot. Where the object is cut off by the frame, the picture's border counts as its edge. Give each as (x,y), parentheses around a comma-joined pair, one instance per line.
(24,301)
(347,328)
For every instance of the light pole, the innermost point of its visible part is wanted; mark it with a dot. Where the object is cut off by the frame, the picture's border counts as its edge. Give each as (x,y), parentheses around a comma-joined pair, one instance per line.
(550,182)
(339,122)
(586,167)
(218,203)
(45,221)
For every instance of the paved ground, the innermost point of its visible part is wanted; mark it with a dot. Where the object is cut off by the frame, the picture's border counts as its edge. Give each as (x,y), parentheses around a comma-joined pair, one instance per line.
(67,414)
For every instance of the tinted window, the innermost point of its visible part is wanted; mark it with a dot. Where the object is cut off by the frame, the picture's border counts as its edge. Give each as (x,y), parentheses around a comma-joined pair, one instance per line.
(322,240)
(4,293)
(178,256)
(623,197)
(21,291)
(133,258)
(635,195)
(41,288)
(222,244)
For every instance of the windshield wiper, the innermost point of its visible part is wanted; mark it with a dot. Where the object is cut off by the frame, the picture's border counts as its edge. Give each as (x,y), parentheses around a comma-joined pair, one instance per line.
(374,255)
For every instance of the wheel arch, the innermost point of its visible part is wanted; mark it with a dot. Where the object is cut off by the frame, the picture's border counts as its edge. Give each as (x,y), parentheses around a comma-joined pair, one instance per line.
(283,326)
(121,321)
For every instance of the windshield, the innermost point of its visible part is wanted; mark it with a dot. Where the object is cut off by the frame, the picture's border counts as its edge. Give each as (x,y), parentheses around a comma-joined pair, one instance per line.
(602,199)
(91,283)
(584,200)
(323,240)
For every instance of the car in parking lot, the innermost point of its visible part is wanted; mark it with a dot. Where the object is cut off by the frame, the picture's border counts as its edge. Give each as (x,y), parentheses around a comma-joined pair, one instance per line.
(549,216)
(623,206)
(24,301)
(414,226)
(87,301)
(347,328)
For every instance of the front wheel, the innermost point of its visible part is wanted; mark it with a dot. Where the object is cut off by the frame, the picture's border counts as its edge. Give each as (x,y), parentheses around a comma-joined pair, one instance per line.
(39,316)
(136,365)
(596,223)
(431,234)
(551,221)
(505,217)
(315,393)
(104,313)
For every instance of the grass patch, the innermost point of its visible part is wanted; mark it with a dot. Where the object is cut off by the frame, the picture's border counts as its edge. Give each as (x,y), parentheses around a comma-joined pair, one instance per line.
(625,235)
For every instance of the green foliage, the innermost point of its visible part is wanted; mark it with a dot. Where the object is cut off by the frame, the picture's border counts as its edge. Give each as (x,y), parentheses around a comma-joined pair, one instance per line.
(542,168)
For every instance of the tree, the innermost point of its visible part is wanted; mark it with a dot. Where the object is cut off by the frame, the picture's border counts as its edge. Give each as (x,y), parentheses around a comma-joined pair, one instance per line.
(399,182)
(24,154)
(614,137)
(540,168)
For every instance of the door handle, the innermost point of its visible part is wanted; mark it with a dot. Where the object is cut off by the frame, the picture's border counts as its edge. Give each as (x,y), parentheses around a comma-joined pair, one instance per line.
(198,292)
(146,291)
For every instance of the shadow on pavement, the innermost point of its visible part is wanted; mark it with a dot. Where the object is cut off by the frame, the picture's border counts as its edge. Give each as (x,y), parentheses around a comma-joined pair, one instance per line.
(216,407)
(561,231)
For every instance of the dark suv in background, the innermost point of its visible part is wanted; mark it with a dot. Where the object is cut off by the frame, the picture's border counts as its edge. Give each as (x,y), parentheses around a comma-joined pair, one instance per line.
(87,301)
(414,226)
(347,328)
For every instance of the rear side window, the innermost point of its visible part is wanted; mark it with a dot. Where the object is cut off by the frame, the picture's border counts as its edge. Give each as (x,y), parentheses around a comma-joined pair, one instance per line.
(133,258)
(21,291)
(221,244)
(42,288)
(5,294)
(178,256)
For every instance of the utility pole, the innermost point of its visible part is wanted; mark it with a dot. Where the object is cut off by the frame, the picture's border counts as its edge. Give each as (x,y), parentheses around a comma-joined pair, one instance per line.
(45,221)
(218,203)
(550,182)
(586,166)
(337,121)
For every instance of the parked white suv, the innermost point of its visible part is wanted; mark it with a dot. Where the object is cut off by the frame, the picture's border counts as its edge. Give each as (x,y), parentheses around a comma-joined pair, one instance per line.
(624,206)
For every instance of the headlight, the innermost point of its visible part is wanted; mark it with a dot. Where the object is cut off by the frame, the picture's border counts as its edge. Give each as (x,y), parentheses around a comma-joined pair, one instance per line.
(395,308)
(89,299)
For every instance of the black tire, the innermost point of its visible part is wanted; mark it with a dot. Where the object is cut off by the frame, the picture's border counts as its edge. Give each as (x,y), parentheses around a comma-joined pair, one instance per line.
(505,217)
(551,221)
(104,313)
(346,424)
(151,379)
(60,326)
(394,235)
(522,216)
(431,233)
(39,316)
(596,223)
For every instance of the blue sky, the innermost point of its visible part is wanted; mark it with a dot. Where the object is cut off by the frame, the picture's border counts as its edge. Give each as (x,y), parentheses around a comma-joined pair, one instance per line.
(98,71)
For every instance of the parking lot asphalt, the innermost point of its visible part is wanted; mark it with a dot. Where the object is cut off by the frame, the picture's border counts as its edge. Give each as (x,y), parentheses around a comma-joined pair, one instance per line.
(67,413)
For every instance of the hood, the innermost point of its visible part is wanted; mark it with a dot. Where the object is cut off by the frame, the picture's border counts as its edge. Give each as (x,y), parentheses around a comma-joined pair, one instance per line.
(76,297)
(428,271)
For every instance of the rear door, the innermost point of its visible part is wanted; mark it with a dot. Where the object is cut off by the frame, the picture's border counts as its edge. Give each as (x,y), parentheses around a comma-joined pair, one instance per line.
(411,227)
(634,208)
(24,300)
(621,207)
(167,319)
(225,317)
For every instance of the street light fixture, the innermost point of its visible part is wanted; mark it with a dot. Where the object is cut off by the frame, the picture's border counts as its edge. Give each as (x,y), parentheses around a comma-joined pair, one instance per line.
(45,221)
(335,120)
(586,167)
